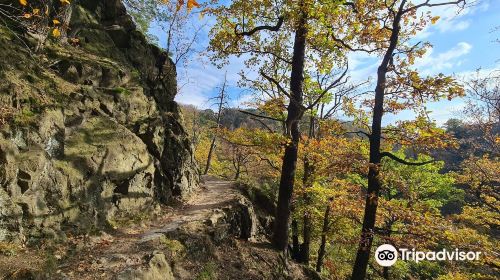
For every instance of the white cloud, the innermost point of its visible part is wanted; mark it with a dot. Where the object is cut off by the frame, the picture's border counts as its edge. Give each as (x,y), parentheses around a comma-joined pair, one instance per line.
(444,110)
(202,80)
(453,25)
(243,100)
(452,18)
(478,73)
(365,66)
(432,64)
(196,89)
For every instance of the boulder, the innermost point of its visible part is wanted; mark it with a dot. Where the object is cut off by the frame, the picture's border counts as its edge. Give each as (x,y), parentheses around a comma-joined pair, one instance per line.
(156,268)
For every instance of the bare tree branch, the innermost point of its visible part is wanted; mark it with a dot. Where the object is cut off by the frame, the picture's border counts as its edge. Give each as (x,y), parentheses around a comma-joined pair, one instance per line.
(276,27)
(428,4)
(402,161)
(327,89)
(263,124)
(260,116)
(272,80)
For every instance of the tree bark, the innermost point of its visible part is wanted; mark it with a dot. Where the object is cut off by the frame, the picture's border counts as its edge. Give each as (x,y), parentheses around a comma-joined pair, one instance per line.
(209,158)
(238,170)
(322,247)
(221,98)
(386,273)
(374,182)
(295,111)
(295,240)
(305,248)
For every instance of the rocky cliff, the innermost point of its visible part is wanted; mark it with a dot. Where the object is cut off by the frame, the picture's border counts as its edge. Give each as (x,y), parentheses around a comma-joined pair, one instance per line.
(89,134)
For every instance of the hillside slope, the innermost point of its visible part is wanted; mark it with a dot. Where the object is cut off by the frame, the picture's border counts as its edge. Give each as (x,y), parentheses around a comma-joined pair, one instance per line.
(90,135)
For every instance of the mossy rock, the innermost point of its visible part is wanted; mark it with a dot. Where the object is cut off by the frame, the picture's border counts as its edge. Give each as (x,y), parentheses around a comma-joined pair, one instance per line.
(82,17)
(100,43)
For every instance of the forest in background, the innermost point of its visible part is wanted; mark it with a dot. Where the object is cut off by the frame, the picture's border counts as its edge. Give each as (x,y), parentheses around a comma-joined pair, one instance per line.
(448,203)
(315,145)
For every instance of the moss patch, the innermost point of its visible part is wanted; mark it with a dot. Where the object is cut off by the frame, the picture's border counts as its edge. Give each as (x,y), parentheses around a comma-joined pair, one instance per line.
(121,90)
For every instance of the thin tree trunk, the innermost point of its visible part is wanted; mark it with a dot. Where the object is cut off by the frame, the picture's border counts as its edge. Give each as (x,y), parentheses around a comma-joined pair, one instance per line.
(307,226)
(195,135)
(305,248)
(305,251)
(295,111)
(238,170)
(221,98)
(386,273)
(322,247)
(209,158)
(374,182)
(295,240)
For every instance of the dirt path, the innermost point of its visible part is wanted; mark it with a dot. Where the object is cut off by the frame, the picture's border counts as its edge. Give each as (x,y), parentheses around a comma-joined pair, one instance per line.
(100,257)
(106,255)
(213,194)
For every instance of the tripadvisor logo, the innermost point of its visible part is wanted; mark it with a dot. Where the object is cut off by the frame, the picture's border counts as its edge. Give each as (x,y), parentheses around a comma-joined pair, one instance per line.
(387,255)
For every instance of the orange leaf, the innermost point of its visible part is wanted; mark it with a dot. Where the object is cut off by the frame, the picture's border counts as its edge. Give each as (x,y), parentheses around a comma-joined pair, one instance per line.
(180,3)
(191,4)
(23,2)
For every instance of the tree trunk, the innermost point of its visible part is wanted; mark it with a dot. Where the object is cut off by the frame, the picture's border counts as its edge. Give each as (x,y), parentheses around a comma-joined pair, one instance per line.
(295,240)
(194,138)
(374,182)
(305,248)
(307,226)
(209,158)
(221,98)
(238,170)
(386,273)
(295,111)
(305,251)
(322,247)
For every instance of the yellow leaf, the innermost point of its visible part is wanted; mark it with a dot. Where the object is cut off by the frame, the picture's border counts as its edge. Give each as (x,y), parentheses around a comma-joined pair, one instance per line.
(65,2)
(56,22)
(56,33)
(434,19)
(36,11)
(23,2)
(27,15)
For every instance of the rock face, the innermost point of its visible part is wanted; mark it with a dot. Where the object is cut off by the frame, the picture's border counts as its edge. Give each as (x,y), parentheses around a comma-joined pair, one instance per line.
(89,135)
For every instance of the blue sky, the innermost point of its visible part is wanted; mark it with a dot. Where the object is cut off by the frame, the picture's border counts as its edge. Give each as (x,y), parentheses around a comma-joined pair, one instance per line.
(461,44)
